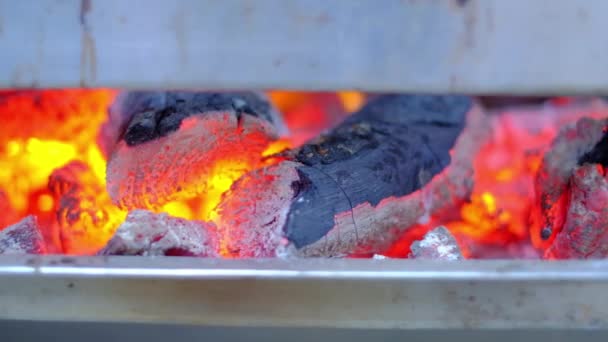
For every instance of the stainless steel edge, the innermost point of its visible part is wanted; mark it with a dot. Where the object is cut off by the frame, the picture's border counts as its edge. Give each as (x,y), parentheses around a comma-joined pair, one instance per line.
(473,46)
(306,293)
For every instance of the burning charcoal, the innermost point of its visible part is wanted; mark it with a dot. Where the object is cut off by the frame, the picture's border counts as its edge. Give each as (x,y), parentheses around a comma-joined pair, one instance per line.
(86,216)
(585,142)
(355,189)
(173,143)
(438,244)
(584,234)
(261,199)
(146,233)
(23,237)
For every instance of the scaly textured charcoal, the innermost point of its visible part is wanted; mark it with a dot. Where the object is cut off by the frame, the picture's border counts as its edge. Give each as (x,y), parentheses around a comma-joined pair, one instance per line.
(174,142)
(252,212)
(23,237)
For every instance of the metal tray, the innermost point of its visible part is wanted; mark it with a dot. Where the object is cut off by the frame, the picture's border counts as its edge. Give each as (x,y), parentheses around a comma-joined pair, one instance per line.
(347,293)
(462,46)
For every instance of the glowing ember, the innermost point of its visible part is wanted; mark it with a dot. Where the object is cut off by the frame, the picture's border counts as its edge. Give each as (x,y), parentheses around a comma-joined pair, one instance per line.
(308,114)
(498,213)
(50,137)
(52,168)
(42,132)
(505,169)
(85,214)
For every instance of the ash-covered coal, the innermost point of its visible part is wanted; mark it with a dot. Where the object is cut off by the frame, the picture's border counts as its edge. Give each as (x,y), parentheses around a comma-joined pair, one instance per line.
(252,213)
(146,233)
(575,145)
(584,234)
(23,237)
(437,244)
(356,187)
(174,143)
(571,213)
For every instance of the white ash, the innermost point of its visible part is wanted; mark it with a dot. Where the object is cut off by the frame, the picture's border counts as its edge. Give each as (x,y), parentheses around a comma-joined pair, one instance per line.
(149,234)
(379,257)
(23,237)
(438,244)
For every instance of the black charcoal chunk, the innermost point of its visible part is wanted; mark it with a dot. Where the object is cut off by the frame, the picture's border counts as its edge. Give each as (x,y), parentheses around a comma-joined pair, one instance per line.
(392,147)
(151,115)
(599,153)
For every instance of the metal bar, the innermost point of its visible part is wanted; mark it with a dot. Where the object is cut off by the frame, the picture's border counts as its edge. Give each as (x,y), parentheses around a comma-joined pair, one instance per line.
(306,293)
(472,46)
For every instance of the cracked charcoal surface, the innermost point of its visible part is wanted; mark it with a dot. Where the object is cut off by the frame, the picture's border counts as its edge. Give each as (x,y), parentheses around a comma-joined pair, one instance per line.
(177,140)
(392,147)
(155,114)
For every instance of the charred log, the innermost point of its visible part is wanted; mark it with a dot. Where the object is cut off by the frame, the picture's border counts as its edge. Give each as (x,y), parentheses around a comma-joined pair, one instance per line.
(146,233)
(437,244)
(352,190)
(23,237)
(391,148)
(172,141)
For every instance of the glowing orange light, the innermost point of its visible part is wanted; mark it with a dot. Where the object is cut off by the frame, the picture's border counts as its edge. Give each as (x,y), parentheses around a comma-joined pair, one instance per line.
(276,147)
(45,202)
(225,173)
(178,209)
(352,100)
(42,131)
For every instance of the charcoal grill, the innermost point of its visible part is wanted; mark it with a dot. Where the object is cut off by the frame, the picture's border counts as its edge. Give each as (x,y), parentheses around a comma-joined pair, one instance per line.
(461,46)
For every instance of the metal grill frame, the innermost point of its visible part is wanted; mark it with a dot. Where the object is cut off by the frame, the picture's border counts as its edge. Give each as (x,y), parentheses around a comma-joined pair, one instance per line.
(483,47)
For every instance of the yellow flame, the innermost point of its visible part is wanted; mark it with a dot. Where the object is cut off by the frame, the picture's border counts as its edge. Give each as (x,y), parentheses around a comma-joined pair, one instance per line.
(178,209)
(45,203)
(34,158)
(490,202)
(225,173)
(276,147)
